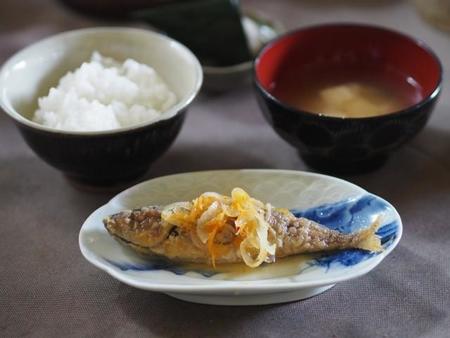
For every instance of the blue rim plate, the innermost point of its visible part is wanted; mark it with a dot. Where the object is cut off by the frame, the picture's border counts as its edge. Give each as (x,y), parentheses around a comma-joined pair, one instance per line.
(330,201)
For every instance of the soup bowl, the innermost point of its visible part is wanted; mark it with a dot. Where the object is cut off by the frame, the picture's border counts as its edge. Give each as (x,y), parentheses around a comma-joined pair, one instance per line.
(347,144)
(101,158)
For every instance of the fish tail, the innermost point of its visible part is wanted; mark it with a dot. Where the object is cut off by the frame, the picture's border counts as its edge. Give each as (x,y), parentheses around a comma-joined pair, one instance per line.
(368,240)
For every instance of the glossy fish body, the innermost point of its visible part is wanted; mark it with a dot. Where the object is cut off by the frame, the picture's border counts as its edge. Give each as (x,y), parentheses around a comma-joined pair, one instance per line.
(145,231)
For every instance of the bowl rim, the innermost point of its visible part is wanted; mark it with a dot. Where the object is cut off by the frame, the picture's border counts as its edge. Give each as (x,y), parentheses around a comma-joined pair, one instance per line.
(176,109)
(410,109)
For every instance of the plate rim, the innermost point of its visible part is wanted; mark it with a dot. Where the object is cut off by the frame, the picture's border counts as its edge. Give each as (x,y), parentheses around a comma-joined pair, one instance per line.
(230,286)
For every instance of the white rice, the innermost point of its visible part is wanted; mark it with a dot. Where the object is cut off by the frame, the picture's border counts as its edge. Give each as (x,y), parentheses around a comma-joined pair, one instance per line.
(104,94)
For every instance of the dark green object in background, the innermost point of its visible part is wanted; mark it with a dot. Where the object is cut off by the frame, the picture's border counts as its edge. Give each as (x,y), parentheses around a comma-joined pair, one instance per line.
(212,29)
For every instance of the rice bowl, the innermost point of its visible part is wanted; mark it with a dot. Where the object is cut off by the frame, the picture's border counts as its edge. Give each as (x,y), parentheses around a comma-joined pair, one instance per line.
(105,157)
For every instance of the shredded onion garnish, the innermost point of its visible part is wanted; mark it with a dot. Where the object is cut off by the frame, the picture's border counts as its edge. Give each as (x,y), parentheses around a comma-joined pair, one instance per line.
(211,213)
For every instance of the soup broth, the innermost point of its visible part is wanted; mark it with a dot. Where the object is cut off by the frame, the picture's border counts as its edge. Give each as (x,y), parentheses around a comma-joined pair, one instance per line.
(348,93)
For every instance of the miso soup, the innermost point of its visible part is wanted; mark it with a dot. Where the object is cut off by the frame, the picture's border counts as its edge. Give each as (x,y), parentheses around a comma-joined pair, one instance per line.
(348,93)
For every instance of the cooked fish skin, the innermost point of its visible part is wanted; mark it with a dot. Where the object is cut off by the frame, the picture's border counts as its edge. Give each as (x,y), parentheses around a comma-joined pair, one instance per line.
(144,231)
(301,235)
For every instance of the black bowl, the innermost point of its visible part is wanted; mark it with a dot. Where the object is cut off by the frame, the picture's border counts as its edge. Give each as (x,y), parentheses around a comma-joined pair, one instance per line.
(106,159)
(346,145)
(99,158)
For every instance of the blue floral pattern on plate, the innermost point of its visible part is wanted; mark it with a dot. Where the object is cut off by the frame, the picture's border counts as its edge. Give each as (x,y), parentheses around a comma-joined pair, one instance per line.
(349,216)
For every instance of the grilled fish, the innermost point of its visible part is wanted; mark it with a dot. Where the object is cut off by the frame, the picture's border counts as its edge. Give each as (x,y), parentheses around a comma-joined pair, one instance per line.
(146,231)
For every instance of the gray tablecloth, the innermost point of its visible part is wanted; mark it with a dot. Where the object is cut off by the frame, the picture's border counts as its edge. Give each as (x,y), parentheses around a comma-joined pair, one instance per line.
(47,289)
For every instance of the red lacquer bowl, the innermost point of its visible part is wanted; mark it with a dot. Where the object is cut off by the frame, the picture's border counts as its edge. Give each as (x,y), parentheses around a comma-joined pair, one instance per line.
(337,144)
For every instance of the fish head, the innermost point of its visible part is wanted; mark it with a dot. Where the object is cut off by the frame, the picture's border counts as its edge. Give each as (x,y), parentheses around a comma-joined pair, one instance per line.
(139,227)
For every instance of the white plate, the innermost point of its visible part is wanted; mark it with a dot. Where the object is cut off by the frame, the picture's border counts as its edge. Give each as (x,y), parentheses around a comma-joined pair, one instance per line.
(330,201)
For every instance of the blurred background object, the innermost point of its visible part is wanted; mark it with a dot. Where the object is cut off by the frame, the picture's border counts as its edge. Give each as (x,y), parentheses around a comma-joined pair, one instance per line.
(437,12)
(113,9)
(259,30)
(212,29)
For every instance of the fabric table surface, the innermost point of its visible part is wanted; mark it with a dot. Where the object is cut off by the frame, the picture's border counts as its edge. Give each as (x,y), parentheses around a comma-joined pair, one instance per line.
(47,289)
